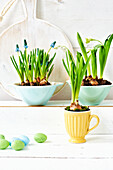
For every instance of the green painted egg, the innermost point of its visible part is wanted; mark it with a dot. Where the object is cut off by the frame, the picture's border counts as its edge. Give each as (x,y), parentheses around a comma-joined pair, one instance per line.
(17,145)
(40,137)
(3,144)
(2,136)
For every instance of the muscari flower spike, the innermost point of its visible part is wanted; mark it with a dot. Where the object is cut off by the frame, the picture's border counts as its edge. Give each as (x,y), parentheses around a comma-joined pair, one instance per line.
(25,44)
(37,51)
(53,44)
(17,48)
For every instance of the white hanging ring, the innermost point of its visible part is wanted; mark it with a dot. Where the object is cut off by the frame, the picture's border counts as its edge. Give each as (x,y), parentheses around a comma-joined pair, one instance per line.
(1,17)
(6,8)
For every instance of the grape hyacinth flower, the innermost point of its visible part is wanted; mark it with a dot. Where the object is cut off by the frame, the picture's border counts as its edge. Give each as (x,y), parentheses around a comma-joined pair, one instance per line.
(37,51)
(26,56)
(53,44)
(17,48)
(25,44)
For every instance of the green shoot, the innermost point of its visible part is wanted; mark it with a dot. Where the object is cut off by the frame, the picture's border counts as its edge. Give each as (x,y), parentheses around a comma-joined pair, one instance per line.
(103,54)
(94,63)
(78,56)
(31,66)
(50,71)
(36,68)
(75,72)
(83,49)
(17,68)
(26,65)
(101,60)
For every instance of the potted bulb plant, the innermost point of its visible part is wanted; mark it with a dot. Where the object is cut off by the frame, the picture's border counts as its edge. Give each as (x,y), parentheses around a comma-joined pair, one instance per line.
(77,117)
(34,70)
(94,88)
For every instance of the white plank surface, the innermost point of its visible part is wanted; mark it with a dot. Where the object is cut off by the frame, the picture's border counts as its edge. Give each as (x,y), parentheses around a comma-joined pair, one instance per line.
(58,147)
(55,164)
(29,120)
(56,153)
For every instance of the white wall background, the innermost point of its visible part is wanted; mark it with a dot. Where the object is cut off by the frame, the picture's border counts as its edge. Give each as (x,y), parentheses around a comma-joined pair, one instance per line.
(91,18)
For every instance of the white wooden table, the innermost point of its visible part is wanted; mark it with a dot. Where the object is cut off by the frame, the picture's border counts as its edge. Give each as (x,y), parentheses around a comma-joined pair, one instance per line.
(56,153)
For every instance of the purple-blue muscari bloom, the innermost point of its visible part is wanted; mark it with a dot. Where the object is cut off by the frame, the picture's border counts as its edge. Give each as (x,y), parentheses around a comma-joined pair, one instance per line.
(53,44)
(37,51)
(17,48)
(25,44)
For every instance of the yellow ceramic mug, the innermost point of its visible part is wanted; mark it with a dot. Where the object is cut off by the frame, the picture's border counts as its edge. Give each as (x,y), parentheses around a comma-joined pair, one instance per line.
(77,125)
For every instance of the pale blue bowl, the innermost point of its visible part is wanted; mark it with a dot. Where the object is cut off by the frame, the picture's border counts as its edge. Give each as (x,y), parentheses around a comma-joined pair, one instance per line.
(36,95)
(93,95)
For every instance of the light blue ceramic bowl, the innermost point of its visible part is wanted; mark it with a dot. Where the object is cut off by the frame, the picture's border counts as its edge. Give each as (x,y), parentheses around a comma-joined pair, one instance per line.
(93,95)
(36,95)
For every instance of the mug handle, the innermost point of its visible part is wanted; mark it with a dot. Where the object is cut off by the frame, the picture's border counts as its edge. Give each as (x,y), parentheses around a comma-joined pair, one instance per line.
(98,120)
(57,91)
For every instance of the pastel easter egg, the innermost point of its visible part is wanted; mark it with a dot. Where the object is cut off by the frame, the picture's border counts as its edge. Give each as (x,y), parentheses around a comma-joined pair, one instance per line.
(40,137)
(13,139)
(17,145)
(2,136)
(24,139)
(3,144)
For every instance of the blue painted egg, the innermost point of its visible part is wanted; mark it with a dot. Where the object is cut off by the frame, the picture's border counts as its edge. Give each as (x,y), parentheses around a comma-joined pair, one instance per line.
(24,139)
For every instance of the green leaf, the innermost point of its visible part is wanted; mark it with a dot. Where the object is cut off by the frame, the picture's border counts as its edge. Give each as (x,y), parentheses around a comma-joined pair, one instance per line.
(75,72)
(107,45)
(101,60)
(67,60)
(83,49)
(65,66)
(94,63)
(50,71)
(16,67)
(78,56)
(96,47)
(50,62)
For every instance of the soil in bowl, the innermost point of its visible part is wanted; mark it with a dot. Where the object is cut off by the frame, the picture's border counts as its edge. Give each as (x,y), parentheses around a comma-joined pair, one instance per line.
(36,82)
(90,81)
